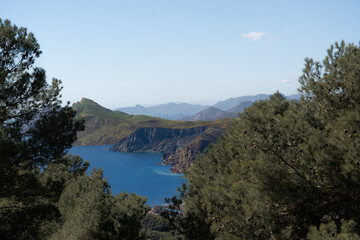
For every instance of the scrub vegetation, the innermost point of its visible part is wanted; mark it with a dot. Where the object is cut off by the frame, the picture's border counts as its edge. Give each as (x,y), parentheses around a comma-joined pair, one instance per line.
(283,170)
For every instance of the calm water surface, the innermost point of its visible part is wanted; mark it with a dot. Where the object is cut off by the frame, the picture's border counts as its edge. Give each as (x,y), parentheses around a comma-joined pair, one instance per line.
(133,172)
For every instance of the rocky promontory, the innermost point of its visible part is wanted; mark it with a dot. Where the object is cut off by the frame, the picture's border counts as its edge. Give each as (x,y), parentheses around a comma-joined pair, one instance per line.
(150,139)
(179,146)
(183,158)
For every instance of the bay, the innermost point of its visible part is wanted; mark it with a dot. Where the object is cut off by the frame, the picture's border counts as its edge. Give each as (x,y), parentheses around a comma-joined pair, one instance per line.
(133,172)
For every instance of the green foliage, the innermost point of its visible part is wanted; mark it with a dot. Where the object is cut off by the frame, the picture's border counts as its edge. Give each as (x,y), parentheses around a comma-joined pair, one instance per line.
(122,217)
(45,193)
(157,228)
(35,131)
(90,211)
(284,165)
(329,231)
(88,107)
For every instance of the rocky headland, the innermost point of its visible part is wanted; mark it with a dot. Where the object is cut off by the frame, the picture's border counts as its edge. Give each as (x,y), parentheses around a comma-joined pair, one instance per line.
(179,141)
(183,158)
(179,146)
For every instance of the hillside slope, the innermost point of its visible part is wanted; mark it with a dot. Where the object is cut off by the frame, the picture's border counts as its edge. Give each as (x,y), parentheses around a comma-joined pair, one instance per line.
(209,114)
(158,139)
(241,107)
(213,113)
(232,102)
(105,127)
(179,141)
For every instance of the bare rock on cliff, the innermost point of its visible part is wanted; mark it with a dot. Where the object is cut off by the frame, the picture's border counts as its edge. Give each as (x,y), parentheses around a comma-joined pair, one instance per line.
(179,146)
(158,139)
(183,158)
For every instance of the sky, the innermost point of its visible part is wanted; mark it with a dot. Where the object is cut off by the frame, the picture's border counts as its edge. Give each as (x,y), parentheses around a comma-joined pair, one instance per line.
(122,53)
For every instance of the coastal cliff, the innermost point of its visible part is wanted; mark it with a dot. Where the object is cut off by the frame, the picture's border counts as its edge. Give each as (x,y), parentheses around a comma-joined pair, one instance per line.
(105,127)
(179,146)
(158,139)
(183,158)
(179,141)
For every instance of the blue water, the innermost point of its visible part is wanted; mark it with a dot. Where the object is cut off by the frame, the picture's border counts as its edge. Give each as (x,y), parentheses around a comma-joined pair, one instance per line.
(133,172)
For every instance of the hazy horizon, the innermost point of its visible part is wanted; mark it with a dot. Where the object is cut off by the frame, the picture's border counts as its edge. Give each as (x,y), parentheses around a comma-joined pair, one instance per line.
(123,53)
(200,102)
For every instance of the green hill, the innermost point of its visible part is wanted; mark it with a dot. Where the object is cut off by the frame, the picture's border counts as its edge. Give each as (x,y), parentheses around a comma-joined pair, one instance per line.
(87,107)
(103,126)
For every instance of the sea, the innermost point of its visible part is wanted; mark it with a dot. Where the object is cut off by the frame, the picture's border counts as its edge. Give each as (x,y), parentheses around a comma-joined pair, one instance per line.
(137,173)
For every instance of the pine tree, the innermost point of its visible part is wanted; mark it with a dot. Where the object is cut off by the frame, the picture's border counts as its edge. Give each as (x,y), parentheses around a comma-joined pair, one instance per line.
(285,166)
(35,130)
(44,192)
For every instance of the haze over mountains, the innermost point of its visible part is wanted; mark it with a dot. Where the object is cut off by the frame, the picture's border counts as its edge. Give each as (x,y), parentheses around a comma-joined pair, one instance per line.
(173,111)
(179,141)
(184,111)
(214,113)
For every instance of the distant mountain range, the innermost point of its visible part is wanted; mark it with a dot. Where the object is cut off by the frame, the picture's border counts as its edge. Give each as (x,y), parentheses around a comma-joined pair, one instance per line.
(211,114)
(214,113)
(179,141)
(172,111)
(184,111)
(240,107)
(230,103)
(103,126)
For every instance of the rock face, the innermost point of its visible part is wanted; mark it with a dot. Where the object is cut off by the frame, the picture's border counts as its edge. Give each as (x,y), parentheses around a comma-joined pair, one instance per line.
(184,158)
(179,146)
(158,139)
(105,127)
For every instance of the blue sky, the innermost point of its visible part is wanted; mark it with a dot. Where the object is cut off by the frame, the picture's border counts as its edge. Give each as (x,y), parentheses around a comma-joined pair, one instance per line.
(122,53)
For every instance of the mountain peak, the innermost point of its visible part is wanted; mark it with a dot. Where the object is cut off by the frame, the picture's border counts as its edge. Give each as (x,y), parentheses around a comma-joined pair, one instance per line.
(87,101)
(88,107)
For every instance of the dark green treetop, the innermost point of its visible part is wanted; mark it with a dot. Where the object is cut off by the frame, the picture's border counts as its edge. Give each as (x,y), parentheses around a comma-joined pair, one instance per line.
(45,193)
(285,166)
(35,130)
